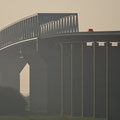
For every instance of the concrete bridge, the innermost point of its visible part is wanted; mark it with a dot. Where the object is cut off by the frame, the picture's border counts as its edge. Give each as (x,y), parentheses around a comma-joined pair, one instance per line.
(71,72)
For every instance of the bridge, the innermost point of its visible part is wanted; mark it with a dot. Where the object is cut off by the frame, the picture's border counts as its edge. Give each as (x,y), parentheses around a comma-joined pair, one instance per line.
(71,72)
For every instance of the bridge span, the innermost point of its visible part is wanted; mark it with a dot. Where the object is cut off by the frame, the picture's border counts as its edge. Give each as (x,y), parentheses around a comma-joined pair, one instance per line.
(71,72)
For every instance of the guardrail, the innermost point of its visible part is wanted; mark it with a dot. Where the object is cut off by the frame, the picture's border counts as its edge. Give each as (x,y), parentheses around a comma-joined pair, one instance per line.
(38,25)
(65,24)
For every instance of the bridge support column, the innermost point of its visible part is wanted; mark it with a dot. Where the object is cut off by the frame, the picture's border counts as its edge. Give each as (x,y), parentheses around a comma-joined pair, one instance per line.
(72,79)
(10,69)
(100,81)
(67,88)
(77,79)
(88,81)
(38,82)
(113,82)
(50,51)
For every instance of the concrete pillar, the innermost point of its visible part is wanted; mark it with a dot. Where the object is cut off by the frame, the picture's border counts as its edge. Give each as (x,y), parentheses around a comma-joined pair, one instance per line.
(51,52)
(54,83)
(113,82)
(100,81)
(45,84)
(38,76)
(10,68)
(77,79)
(72,79)
(88,81)
(38,82)
(67,93)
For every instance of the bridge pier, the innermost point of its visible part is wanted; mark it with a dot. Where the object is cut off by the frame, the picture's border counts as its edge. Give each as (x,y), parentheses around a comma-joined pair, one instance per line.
(67,79)
(100,80)
(113,82)
(88,83)
(72,74)
(45,84)
(50,51)
(77,79)
(10,69)
(38,82)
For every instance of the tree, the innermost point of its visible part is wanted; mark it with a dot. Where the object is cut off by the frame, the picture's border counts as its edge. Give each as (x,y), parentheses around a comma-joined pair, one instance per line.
(11,102)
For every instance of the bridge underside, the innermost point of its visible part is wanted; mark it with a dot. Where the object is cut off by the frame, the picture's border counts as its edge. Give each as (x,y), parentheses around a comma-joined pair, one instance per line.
(68,75)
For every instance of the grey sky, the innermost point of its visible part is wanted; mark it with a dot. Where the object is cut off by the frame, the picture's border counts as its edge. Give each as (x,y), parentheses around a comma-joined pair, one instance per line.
(98,14)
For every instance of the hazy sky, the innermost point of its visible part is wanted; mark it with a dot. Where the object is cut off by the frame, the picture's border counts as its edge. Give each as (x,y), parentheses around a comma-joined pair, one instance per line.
(97,14)
(24,81)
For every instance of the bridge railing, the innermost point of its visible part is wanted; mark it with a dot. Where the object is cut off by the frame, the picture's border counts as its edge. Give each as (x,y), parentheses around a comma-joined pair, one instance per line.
(24,29)
(65,24)
(38,25)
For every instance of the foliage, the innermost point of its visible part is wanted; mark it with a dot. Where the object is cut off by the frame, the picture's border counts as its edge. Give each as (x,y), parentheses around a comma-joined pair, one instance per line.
(11,102)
